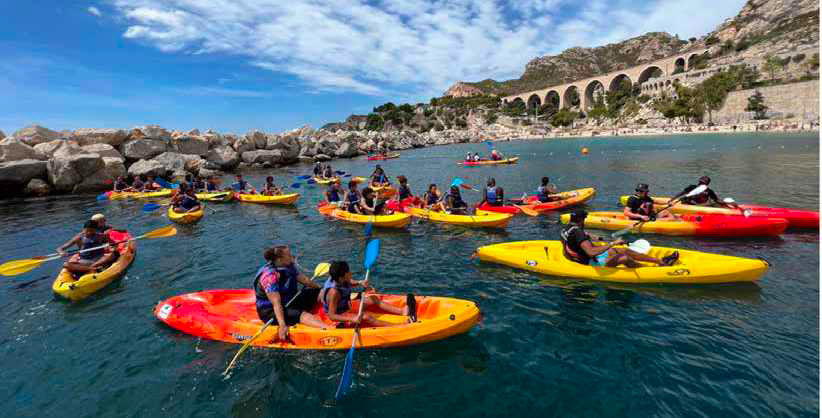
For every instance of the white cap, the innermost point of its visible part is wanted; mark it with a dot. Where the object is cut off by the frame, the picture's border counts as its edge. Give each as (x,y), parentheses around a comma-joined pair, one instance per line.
(640,246)
(97,217)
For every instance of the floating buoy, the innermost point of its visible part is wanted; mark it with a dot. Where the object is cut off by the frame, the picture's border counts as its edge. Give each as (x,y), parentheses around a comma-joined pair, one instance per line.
(584,151)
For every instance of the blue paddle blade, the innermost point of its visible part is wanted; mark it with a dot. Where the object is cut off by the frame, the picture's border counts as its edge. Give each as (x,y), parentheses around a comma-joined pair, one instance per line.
(311,181)
(295,186)
(303,177)
(457,182)
(347,175)
(347,375)
(372,250)
(148,207)
(339,172)
(102,197)
(368,227)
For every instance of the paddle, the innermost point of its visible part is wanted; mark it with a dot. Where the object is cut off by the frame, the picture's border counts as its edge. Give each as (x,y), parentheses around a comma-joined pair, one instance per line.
(304,177)
(16,267)
(320,270)
(165,184)
(699,189)
(745,212)
(372,250)
(103,196)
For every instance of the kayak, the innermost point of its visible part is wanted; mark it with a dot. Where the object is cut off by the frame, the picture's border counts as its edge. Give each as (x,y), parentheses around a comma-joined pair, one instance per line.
(512,160)
(67,286)
(569,198)
(139,195)
(283,199)
(186,217)
(383,157)
(396,220)
(358,179)
(730,226)
(693,267)
(320,180)
(215,196)
(384,191)
(230,315)
(797,218)
(493,220)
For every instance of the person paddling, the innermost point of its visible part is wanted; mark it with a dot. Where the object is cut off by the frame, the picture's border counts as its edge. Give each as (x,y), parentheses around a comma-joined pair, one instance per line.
(137,185)
(378,178)
(211,185)
(150,185)
(100,222)
(186,200)
(242,186)
(432,199)
(453,202)
(352,198)
(328,173)
(708,196)
(318,169)
(493,193)
(199,184)
(120,185)
(334,193)
(89,261)
(640,207)
(370,204)
(270,189)
(546,190)
(577,246)
(468,157)
(335,297)
(477,157)
(276,295)
(404,197)
(495,155)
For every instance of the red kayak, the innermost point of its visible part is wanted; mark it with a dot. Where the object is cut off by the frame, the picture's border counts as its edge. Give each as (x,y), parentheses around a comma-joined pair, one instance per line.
(382,157)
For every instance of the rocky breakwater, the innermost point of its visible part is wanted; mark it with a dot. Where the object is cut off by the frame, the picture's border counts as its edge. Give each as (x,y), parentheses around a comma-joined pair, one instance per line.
(37,161)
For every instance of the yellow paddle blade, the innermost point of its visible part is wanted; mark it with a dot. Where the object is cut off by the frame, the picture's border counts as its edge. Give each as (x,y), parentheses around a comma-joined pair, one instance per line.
(13,268)
(528,211)
(321,270)
(166,231)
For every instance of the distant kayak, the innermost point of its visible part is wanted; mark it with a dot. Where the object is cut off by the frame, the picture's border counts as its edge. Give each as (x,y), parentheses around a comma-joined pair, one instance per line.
(396,220)
(281,199)
(491,220)
(383,157)
(797,218)
(512,160)
(230,315)
(139,195)
(725,226)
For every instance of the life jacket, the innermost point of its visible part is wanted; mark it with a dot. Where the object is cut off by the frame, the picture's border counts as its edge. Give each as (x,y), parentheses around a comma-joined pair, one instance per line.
(542,193)
(344,302)
(380,178)
(187,202)
(89,242)
(333,194)
(573,251)
(405,192)
(353,199)
(328,173)
(211,187)
(287,280)
(120,185)
(699,199)
(137,184)
(430,198)
(456,200)
(492,196)
(240,186)
(199,185)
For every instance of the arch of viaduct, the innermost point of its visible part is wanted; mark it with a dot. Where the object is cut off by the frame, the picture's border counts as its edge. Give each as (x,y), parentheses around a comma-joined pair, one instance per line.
(586,89)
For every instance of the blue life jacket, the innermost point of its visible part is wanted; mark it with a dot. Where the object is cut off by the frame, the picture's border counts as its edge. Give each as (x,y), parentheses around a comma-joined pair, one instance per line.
(211,187)
(492,196)
(239,186)
(431,199)
(380,178)
(333,195)
(542,193)
(97,240)
(344,303)
(353,200)
(188,202)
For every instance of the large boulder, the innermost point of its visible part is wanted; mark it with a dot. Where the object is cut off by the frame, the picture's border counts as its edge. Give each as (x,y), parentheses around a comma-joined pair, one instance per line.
(244,144)
(179,164)
(12,149)
(67,169)
(265,157)
(102,178)
(322,157)
(214,139)
(37,187)
(2,134)
(289,145)
(47,149)
(189,145)
(35,134)
(104,150)
(258,138)
(147,168)
(152,132)
(14,175)
(224,156)
(143,148)
(113,137)
(207,172)
(346,150)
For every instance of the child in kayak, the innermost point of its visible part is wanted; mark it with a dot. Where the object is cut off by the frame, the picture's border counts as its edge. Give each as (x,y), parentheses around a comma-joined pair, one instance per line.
(546,191)
(211,185)
(404,197)
(318,169)
(334,193)
(120,185)
(270,189)
(89,261)
(370,204)
(432,199)
(351,202)
(454,203)
(328,173)
(242,186)
(335,297)
(276,294)
(577,246)
(493,194)
(150,184)
(186,200)
(640,207)
(378,178)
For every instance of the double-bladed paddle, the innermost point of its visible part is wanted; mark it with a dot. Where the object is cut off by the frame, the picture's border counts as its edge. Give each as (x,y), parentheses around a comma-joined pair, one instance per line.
(699,189)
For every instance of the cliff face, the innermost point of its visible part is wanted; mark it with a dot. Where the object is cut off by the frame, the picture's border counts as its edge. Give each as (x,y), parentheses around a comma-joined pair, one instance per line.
(462,90)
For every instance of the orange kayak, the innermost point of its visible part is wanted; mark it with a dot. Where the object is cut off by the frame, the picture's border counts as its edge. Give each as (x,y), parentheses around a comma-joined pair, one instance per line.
(230,316)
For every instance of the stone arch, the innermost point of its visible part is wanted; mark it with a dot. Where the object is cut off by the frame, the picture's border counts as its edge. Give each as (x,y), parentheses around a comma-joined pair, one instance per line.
(553,97)
(571,97)
(518,102)
(650,73)
(691,59)
(534,102)
(617,80)
(679,65)
(592,90)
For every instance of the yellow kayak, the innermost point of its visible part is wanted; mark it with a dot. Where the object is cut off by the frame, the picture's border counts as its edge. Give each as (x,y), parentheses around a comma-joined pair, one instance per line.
(358,179)
(283,199)
(186,217)
(512,160)
(693,267)
(139,195)
(215,196)
(69,287)
(480,220)
(396,220)
(320,180)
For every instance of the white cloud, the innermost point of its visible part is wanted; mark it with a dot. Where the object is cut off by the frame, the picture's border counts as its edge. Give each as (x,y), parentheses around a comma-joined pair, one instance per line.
(404,47)
(95,11)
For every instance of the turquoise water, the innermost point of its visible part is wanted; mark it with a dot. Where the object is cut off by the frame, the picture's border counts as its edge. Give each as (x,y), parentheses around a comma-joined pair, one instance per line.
(545,346)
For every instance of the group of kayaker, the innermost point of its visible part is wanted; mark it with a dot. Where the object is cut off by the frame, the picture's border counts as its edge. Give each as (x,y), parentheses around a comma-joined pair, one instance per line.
(494,156)
(640,206)
(244,187)
(324,172)
(94,234)
(278,298)
(141,183)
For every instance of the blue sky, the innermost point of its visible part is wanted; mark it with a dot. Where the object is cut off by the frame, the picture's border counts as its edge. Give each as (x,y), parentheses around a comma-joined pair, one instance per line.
(236,65)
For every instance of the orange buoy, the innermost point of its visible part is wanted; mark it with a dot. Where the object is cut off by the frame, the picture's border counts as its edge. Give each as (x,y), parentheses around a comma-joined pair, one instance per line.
(584,151)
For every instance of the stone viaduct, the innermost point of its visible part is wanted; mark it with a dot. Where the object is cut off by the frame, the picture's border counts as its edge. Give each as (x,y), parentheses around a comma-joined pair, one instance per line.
(643,75)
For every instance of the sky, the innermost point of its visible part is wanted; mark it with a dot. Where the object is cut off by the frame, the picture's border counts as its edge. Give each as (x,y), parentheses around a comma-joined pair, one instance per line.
(275,65)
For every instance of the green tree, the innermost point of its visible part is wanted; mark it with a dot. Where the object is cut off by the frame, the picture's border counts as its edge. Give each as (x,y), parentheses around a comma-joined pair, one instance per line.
(573,98)
(375,122)
(564,117)
(406,108)
(772,64)
(491,117)
(599,110)
(756,104)
(385,107)
(548,109)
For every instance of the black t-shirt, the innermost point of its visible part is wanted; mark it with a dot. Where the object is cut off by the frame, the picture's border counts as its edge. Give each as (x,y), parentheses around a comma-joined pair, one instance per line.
(707,196)
(572,238)
(636,203)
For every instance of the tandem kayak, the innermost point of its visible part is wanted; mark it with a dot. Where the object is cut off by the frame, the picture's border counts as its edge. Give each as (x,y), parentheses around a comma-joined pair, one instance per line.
(491,220)
(725,226)
(797,218)
(512,160)
(693,267)
(383,157)
(569,198)
(215,196)
(396,220)
(282,199)
(69,287)
(231,316)
(139,195)
(186,217)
